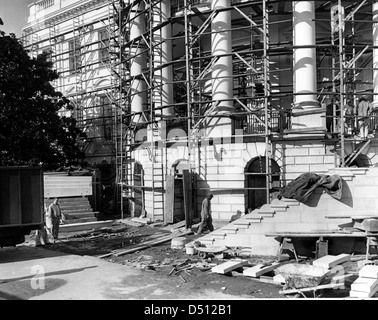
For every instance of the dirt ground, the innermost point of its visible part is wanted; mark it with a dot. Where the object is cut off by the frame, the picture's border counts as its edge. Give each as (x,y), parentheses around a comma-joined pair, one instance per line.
(161,261)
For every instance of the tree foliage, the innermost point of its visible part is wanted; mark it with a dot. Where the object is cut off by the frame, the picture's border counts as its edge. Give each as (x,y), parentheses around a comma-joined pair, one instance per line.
(32,127)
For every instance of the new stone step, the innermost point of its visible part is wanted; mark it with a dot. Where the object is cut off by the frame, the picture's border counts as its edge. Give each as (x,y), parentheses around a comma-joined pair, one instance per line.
(266,213)
(81,220)
(80,215)
(242,225)
(67,200)
(230,229)
(279,207)
(217,236)
(81,207)
(253,218)
(207,240)
(78,210)
(291,202)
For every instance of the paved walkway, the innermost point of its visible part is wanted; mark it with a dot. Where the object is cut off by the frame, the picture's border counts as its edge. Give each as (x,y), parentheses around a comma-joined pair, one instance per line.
(41,274)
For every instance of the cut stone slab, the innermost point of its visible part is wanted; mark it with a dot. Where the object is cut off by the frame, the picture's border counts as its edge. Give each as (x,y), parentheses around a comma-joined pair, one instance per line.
(370,225)
(363,263)
(360,294)
(260,269)
(329,261)
(228,266)
(279,278)
(341,278)
(369,271)
(365,285)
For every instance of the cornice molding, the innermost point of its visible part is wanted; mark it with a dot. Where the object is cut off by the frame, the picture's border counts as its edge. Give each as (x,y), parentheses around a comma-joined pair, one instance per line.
(64,14)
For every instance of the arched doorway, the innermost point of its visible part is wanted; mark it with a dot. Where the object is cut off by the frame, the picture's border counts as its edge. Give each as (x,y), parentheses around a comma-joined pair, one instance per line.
(257,166)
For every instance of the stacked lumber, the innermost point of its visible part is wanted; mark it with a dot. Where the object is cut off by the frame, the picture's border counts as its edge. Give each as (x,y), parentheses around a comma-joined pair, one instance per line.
(366,285)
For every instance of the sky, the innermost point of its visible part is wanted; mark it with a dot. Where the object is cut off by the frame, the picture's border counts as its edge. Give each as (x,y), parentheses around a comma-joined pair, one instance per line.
(14,14)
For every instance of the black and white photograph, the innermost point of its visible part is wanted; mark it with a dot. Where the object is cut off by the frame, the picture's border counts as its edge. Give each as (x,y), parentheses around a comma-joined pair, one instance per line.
(190,157)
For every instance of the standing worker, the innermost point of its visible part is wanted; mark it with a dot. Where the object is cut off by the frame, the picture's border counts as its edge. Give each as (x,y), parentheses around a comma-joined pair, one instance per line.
(53,216)
(349,117)
(206,219)
(363,113)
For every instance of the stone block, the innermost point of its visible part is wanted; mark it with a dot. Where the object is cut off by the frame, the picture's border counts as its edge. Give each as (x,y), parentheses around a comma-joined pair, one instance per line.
(228,266)
(309,160)
(369,271)
(359,294)
(329,261)
(365,192)
(364,284)
(260,269)
(288,216)
(238,240)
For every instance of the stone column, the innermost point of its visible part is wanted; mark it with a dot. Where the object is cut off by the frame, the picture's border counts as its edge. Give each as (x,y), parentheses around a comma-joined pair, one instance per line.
(306,110)
(137,62)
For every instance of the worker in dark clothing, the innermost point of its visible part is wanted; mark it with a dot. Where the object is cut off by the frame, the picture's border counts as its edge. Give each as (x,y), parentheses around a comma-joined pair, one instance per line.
(330,115)
(363,113)
(349,117)
(206,218)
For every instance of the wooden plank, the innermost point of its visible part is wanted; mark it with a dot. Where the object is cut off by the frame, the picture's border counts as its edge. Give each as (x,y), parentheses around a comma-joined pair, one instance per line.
(228,266)
(186,183)
(364,284)
(148,244)
(84,226)
(369,271)
(329,261)
(260,269)
(169,198)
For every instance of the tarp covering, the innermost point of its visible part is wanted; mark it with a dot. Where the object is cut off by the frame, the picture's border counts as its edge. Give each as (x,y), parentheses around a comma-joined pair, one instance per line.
(303,186)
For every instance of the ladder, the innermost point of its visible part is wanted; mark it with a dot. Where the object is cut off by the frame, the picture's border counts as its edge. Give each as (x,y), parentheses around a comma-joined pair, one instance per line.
(344,74)
(116,66)
(77,64)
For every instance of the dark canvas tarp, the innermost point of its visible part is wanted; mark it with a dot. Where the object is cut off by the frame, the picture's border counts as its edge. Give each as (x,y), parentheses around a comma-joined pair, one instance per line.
(304,185)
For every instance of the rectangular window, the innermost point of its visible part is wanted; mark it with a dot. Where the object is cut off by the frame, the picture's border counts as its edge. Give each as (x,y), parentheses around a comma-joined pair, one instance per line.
(107,117)
(103,37)
(74,55)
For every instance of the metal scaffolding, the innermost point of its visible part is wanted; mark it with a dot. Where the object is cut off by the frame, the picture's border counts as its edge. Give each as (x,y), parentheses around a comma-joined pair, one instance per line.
(153,87)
